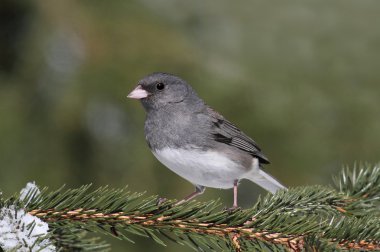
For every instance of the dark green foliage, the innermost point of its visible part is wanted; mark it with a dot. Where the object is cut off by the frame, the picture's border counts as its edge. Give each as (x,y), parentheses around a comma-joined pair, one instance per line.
(304,218)
(73,239)
(362,182)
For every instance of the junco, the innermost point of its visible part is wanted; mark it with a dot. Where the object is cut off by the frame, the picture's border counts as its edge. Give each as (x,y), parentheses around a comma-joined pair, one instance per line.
(195,141)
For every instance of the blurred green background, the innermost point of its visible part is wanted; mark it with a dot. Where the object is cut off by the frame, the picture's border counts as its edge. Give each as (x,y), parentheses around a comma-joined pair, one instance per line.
(301,77)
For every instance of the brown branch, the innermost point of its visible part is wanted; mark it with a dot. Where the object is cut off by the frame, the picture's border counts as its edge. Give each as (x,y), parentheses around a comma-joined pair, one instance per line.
(294,243)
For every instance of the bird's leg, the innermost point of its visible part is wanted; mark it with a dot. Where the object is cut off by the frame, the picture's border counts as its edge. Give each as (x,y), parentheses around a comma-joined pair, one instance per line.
(235,205)
(198,191)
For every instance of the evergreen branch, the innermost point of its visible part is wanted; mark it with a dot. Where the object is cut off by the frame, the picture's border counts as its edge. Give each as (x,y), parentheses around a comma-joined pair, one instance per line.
(342,230)
(314,218)
(75,240)
(169,223)
(361,185)
(362,181)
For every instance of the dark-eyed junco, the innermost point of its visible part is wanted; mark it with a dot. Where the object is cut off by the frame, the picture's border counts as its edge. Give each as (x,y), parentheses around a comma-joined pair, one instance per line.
(195,141)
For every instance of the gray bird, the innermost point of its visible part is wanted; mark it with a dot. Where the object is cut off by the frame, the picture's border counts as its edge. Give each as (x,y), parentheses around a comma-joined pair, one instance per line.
(195,141)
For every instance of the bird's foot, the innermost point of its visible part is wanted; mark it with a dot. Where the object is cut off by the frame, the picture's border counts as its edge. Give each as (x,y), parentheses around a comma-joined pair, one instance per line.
(232,209)
(161,201)
(180,202)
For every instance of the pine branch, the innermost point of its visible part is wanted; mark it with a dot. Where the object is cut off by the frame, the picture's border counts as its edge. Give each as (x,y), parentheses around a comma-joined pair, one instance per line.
(316,218)
(285,226)
(362,186)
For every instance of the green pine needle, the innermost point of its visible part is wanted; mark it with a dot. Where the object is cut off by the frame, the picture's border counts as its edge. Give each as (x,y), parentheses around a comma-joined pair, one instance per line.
(310,218)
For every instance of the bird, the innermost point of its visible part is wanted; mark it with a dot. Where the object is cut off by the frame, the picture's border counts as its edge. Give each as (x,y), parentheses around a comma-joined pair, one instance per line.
(196,142)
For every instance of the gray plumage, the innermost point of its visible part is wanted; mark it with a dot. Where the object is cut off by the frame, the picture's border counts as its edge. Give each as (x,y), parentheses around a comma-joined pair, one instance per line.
(177,119)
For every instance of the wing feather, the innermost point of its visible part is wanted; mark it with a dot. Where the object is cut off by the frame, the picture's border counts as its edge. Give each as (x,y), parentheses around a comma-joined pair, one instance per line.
(225,132)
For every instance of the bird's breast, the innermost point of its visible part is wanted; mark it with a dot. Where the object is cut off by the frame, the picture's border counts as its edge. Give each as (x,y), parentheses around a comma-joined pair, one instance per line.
(206,168)
(170,129)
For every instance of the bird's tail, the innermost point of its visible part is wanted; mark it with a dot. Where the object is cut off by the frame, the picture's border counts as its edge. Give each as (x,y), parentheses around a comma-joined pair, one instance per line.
(265,180)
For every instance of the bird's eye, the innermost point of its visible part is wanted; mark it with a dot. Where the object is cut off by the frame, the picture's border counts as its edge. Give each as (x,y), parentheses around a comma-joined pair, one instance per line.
(160,86)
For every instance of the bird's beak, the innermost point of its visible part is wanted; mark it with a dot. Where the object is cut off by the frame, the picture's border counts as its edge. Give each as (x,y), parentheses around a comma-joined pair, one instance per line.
(138,93)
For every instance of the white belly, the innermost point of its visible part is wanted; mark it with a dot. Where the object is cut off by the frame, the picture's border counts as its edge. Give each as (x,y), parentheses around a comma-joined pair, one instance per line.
(209,169)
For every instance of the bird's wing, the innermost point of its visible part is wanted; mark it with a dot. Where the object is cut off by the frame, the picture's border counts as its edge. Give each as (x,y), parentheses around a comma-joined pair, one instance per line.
(225,132)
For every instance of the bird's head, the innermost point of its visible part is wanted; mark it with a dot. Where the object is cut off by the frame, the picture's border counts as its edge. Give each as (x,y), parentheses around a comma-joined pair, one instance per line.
(159,90)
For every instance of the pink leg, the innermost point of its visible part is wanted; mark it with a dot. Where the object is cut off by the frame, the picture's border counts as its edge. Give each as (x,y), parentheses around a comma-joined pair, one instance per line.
(198,190)
(235,205)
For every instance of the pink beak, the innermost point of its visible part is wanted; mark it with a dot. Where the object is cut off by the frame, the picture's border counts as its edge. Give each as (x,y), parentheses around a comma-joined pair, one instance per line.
(138,93)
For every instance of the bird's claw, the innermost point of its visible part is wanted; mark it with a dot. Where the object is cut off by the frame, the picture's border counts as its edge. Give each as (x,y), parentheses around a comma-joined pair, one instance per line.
(232,209)
(161,201)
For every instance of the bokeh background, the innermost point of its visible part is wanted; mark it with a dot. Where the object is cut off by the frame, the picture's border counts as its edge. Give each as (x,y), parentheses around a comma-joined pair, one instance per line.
(301,77)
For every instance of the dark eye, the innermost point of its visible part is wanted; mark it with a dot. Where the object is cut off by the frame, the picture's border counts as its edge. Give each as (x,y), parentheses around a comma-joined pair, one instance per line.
(160,86)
